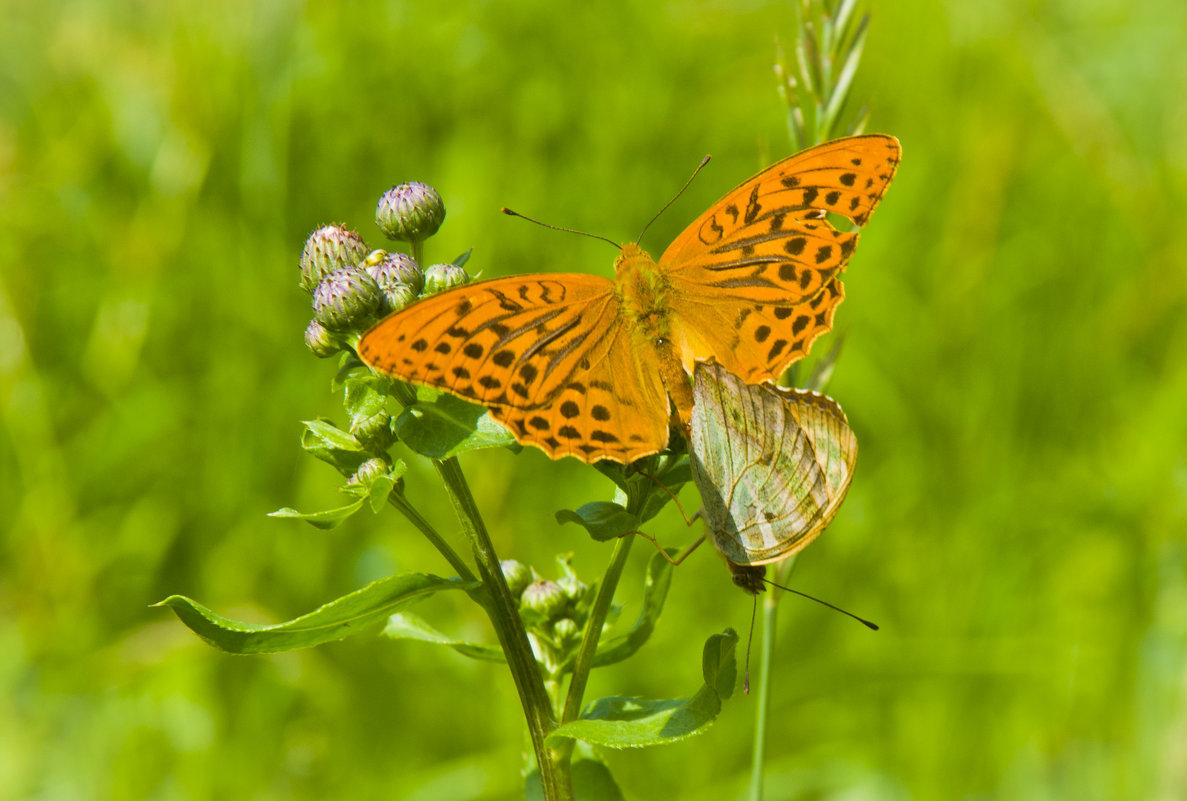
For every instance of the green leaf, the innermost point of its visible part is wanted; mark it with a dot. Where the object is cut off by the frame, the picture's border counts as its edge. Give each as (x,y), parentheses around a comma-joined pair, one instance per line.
(337,619)
(363,397)
(718,665)
(637,723)
(462,258)
(327,442)
(440,425)
(330,518)
(407,626)
(655,591)
(379,491)
(602,519)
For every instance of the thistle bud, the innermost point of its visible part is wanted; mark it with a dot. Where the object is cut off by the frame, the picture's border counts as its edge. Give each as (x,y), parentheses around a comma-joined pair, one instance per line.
(396,268)
(399,278)
(368,471)
(375,432)
(566,632)
(327,249)
(517,574)
(347,299)
(440,277)
(410,212)
(573,588)
(544,598)
(320,341)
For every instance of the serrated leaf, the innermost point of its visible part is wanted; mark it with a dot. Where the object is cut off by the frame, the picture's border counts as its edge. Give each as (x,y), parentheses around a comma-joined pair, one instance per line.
(602,519)
(440,425)
(333,621)
(407,626)
(655,591)
(328,519)
(637,723)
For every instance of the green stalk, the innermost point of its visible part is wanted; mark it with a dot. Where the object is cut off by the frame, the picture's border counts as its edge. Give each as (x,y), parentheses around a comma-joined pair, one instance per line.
(762,701)
(504,616)
(455,560)
(593,631)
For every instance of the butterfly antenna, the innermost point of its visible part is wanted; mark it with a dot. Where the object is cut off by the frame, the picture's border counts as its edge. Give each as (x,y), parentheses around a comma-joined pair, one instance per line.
(868,624)
(749,642)
(695,172)
(511,213)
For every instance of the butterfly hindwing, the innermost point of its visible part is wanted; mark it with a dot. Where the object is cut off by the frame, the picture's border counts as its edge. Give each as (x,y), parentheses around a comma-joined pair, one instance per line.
(772,464)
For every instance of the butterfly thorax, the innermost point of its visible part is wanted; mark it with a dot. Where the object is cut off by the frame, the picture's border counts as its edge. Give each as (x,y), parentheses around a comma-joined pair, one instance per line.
(643,292)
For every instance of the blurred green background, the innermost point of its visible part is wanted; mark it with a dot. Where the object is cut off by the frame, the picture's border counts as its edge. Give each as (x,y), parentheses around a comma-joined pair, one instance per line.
(1015,367)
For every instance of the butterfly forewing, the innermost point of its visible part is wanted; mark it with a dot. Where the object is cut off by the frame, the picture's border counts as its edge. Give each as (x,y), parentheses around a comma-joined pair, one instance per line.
(503,342)
(772,464)
(766,259)
(615,408)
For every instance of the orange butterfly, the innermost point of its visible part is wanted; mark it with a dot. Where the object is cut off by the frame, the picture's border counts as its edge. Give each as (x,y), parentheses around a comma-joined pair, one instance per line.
(582,366)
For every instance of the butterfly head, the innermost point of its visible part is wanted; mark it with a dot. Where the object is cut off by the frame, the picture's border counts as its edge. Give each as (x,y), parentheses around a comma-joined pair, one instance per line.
(749,577)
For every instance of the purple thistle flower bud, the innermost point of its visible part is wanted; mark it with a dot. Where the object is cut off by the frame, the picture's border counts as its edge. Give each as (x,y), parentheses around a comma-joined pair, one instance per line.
(397,297)
(410,212)
(347,300)
(320,341)
(440,277)
(327,249)
(396,268)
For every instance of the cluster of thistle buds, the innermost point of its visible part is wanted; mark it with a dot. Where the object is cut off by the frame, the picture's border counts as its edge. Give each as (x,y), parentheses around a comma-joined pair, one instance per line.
(354,286)
(554,612)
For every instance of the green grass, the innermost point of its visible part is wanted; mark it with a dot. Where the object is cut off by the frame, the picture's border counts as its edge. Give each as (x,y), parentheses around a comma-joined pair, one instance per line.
(1015,367)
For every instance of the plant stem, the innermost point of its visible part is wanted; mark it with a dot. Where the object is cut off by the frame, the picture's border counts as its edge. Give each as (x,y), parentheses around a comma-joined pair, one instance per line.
(762,700)
(593,631)
(500,608)
(455,560)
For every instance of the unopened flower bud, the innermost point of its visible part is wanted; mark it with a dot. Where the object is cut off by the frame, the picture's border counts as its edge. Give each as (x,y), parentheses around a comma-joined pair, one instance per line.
(320,341)
(327,249)
(440,277)
(545,598)
(573,588)
(347,299)
(375,432)
(396,268)
(517,574)
(410,212)
(368,471)
(566,631)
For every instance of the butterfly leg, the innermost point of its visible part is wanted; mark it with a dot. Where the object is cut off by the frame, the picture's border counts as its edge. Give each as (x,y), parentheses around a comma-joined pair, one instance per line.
(673,560)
